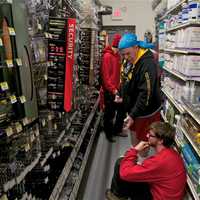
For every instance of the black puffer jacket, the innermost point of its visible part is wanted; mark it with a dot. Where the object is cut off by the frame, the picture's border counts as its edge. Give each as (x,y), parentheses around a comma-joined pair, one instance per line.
(143,92)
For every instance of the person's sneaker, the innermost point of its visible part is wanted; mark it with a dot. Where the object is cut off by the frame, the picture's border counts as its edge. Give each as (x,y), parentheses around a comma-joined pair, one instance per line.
(111,196)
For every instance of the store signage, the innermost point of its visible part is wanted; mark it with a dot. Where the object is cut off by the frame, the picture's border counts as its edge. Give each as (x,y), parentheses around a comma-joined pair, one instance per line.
(70,46)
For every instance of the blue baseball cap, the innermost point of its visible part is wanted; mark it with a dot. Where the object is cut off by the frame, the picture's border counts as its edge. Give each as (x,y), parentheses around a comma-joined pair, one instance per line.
(128,40)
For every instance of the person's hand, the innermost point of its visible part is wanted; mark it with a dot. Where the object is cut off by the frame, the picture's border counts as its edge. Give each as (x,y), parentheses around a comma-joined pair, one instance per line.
(128,122)
(141,146)
(118,99)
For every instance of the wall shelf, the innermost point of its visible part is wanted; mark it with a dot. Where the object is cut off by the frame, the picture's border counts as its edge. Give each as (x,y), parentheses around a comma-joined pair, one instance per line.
(181,76)
(195,147)
(182,51)
(67,168)
(174,102)
(171,10)
(184,25)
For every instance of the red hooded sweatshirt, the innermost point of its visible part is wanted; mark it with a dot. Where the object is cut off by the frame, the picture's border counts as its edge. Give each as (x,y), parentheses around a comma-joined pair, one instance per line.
(164,172)
(110,70)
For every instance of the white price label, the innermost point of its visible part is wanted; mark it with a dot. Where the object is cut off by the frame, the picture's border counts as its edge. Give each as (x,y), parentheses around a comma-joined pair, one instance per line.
(9,131)
(27,147)
(49,117)
(49,63)
(9,1)
(9,63)
(45,77)
(43,122)
(22,99)
(50,35)
(46,35)
(11,31)
(19,61)
(32,138)
(25,121)
(39,26)
(13,99)
(37,132)
(1,42)
(4,86)
(18,127)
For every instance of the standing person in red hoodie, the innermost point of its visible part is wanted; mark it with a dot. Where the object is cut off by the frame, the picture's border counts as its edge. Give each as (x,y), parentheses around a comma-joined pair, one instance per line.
(110,75)
(159,177)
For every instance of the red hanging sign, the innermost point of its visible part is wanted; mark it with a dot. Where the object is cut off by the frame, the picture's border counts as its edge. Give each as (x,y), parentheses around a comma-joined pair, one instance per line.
(70,45)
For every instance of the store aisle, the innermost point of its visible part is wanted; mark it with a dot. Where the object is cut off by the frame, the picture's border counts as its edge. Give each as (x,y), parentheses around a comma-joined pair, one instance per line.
(101,171)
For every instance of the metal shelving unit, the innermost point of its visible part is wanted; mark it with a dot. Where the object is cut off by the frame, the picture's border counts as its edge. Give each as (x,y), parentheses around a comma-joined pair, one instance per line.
(192,189)
(182,51)
(181,76)
(171,10)
(67,168)
(195,147)
(174,102)
(184,25)
(81,172)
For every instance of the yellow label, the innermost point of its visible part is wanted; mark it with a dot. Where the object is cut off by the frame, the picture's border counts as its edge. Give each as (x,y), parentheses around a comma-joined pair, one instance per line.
(27,147)
(13,99)
(11,31)
(1,42)
(9,63)
(4,86)
(4,197)
(19,61)
(18,127)
(9,131)
(22,99)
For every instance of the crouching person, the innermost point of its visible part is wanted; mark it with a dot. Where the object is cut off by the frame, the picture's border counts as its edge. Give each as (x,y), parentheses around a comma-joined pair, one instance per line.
(161,176)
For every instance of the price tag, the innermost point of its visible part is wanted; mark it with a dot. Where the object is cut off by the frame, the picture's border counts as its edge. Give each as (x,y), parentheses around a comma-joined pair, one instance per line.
(4,86)
(49,117)
(9,131)
(43,122)
(18,127)
(22,99)
(13,99)
(25,121)
(9,1)
(32,138)
(9,63)
(11,31)
(27,147)
(50,35)
(49,63)
(45,77)
(37,132)
(39,26)
(19,61)
(4,197)
(1,42)
(46,35)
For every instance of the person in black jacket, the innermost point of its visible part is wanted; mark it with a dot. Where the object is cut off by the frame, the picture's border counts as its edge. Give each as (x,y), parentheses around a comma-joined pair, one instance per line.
(143,101)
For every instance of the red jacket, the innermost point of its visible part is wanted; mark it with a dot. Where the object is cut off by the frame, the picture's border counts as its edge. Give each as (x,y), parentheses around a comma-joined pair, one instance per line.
(110,70)
(164,172)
